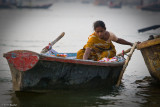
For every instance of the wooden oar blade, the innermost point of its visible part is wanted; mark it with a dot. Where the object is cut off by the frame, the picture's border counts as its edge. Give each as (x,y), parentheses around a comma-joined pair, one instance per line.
(47,48)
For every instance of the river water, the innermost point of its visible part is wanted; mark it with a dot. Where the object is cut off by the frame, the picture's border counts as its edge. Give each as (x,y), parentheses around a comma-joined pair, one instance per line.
(23,29)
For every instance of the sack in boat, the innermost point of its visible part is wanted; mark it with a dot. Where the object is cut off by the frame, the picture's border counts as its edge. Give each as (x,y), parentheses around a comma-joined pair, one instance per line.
(54,53)
(62,55)
(113,59)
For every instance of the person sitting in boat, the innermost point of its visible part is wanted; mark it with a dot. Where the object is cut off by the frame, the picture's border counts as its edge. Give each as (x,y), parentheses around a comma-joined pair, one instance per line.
(100,44)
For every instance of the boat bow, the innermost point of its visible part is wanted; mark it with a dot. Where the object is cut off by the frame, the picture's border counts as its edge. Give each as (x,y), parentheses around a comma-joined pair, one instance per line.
(22,60)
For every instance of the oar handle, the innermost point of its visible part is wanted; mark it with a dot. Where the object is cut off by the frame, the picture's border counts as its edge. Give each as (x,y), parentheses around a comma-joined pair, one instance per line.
(57,39)
(46,49)
(126,63)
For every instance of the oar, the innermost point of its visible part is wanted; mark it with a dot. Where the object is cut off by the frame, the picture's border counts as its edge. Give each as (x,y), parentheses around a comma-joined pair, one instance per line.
(149,28)
(46,49)
(126,51)
(126,63)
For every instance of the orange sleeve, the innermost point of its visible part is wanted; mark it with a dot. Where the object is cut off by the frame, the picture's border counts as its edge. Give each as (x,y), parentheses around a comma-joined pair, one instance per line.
(91,41)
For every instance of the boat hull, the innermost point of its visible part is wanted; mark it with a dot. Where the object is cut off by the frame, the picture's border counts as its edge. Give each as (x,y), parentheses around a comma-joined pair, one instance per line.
(151,53)
(35,7)
(49,73)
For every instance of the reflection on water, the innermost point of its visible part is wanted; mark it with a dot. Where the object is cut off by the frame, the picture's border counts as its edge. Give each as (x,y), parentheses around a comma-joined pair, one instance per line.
(149,89)
(64,98)
(33,29)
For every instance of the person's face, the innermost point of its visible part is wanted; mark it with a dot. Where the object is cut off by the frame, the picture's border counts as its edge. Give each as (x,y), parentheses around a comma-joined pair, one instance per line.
(100,32)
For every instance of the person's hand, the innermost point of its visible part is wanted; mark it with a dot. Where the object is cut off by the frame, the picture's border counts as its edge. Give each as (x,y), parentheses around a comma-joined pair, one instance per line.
(131,44)
(138,42)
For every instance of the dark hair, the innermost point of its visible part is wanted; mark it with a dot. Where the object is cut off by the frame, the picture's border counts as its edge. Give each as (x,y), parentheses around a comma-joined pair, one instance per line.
(99,23)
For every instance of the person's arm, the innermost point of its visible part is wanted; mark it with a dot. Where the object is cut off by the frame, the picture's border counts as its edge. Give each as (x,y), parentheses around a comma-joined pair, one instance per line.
(124,42)
(114,38)
(86,53)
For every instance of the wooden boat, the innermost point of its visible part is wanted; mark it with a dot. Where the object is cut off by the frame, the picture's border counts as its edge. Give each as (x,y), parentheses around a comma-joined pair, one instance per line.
(46,6)
(85,1)
(100,2)
(33,71)
(152,7)
(115,4)
(151,53)
(154,27)
(6,6)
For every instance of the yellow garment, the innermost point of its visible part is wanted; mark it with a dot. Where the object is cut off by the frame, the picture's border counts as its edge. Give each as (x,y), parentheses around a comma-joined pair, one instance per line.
(99,48)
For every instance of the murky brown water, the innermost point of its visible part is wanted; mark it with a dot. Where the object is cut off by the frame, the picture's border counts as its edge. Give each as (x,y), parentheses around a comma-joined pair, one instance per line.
(34,29)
